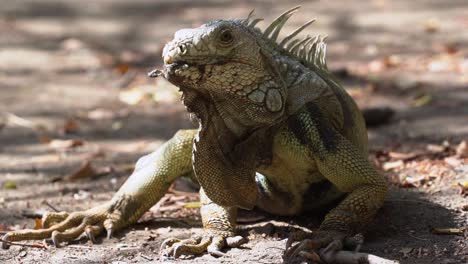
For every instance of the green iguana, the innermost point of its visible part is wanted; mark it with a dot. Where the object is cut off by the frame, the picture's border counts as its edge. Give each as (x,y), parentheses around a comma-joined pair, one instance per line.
(276,131)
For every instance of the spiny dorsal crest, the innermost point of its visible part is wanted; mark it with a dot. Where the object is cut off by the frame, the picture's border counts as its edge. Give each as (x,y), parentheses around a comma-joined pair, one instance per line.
(310,50)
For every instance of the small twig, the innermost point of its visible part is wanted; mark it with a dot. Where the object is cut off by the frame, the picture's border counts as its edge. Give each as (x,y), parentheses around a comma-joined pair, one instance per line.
(275,248)
(18,121)
(50,206)
(414,201)
(146,257)
(448,231)
(35,245)
(180,193)
(158,205)
(423,239)
(79,246)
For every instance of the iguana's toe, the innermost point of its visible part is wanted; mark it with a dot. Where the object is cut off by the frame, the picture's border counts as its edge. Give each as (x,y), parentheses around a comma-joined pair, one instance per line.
(52,218)
(71,232)
(92,231)
(213,244)
(64,227)
(312,245)
(58,231)
(326,246)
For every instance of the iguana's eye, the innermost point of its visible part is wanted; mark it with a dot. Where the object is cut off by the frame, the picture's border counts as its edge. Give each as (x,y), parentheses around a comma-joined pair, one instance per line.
(226,37)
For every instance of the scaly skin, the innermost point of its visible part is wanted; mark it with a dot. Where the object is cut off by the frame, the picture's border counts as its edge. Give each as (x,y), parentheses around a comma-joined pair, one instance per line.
(276,131)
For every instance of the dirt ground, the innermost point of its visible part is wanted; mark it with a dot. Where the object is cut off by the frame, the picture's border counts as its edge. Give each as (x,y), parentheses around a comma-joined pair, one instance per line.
(73,88)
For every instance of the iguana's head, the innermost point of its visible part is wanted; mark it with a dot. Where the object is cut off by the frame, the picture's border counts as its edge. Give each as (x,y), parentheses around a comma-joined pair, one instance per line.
(238,68)
(222,64)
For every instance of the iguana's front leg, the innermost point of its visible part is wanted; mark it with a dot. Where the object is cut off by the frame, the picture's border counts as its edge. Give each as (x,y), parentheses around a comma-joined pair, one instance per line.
(219,231)
(149,182)
(346,167)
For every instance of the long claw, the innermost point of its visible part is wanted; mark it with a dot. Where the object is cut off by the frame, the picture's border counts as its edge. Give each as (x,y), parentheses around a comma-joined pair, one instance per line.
(93,231)
(296,236)
(108,233)
(216,252)
(305,245)
(168,242)
(187,246)
(313,256)
(56,238)
(215,247)
(236,241)
(355,242)
(109,226)
(288,252)
(178,251)
(90,236)
(213,244)
(5,245)
(64,227)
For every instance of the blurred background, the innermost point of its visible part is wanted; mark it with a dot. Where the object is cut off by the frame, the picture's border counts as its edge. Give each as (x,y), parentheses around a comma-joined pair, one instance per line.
(77,109)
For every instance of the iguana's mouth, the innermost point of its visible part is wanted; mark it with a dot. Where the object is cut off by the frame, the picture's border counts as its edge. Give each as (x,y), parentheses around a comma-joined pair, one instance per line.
(174,72)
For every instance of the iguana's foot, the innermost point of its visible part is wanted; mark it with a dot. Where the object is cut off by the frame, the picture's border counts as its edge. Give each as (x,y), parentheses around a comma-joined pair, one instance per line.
(320,246)
(212,242)
(327,247)
(64,227)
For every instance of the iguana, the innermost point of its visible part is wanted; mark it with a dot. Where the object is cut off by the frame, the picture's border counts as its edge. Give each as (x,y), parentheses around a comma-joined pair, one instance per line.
(276,131)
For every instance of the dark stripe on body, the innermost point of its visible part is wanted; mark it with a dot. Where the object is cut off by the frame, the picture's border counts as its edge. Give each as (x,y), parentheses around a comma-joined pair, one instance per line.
(303,124)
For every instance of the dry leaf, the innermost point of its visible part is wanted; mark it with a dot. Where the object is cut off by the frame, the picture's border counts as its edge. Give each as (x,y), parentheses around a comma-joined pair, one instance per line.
(436,148)
(65,144)
(192,205)
(49,158)
(401,156)
(392,61)
(9,185)
(416,181)
(392,165)
(432,25)
(423,100)
(45,139)
(82,195)
(70,126)
(38,223)
(462,150)
(376,66)
(448,231)
(453,161)
(87,171)
(72,44)
(100,114)
(117,125)
(451,48)
(122,68)
(5,228)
